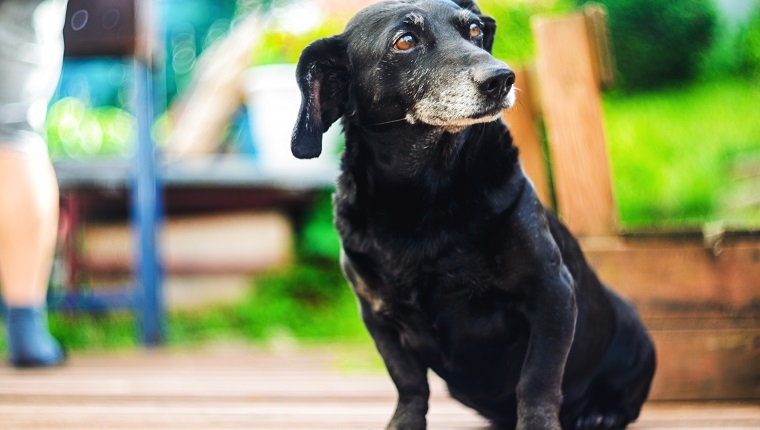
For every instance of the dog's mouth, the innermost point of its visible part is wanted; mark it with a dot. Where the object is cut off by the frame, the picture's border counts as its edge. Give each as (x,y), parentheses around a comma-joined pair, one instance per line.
(452,116)
(492,112)
(496,110)
(509,100)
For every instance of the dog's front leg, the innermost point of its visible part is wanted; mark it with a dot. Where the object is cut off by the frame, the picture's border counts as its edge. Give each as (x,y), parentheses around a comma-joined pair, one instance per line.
(551,311)
(552,315)
(407,373)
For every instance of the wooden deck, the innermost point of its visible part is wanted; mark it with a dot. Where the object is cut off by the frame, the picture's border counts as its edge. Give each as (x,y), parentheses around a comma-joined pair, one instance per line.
(244,388)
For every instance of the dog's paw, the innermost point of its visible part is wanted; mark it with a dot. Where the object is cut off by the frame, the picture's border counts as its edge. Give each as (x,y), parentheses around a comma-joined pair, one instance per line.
(601,421)
(407,425)
(538,422)
(407,421)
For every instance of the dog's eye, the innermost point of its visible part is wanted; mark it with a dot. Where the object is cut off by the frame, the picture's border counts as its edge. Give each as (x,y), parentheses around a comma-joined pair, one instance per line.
(475,30)
(405,42)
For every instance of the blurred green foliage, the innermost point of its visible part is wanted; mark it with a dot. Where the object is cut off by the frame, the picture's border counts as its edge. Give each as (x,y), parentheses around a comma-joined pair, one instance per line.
(79,331)
(672,151)
(77,130)
(308,301)
(112,331)
(279,45)
(320,240)
(659,42)
(749,46)
(513,42)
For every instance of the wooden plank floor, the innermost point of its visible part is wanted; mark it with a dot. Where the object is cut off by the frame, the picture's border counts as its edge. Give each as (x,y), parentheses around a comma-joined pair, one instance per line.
(244,388)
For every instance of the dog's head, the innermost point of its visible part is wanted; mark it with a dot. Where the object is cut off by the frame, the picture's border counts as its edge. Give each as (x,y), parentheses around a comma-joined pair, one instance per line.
(418,61)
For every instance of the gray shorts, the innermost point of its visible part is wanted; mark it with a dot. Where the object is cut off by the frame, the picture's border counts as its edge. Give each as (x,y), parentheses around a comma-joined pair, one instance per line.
(31,52)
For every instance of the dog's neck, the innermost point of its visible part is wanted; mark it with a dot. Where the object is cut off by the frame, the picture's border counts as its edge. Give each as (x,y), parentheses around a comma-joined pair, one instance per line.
(406,153)
(426,161)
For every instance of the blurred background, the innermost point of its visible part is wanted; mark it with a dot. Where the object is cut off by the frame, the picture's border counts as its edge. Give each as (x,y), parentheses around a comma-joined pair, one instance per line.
(254,261)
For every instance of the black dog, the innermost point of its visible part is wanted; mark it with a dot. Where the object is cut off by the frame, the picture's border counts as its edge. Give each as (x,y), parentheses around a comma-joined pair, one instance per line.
(456,265)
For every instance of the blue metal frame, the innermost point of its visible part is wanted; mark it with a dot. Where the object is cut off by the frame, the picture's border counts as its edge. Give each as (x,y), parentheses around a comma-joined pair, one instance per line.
(146,206)
(114,298)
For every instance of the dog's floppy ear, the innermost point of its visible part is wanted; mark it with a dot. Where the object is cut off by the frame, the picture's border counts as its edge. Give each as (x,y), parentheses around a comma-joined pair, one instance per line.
(490,24)
(322,75)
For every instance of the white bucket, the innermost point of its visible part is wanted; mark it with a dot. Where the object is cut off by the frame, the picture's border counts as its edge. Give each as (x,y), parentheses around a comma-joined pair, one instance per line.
(273,100)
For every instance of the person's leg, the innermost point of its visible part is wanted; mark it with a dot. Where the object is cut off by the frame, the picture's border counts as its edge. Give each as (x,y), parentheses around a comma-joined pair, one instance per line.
(31,51)
(28,227)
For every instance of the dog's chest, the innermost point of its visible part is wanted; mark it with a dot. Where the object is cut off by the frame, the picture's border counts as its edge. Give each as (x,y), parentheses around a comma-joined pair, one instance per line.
(451,310)
(462,336)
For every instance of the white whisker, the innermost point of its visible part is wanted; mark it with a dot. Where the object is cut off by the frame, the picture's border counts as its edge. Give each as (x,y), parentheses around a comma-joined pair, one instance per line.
(386,122)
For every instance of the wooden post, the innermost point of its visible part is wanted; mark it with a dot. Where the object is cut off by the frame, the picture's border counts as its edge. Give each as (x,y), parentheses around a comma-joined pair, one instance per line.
(601,48)
(572,111)
(521,120)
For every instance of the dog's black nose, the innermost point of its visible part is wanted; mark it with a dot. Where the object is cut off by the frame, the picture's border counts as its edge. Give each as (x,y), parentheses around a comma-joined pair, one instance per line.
(495,82)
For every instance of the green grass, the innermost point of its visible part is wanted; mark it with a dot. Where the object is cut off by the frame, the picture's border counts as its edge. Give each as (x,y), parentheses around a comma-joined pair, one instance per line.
(307,302)
(80,331)
(672,151)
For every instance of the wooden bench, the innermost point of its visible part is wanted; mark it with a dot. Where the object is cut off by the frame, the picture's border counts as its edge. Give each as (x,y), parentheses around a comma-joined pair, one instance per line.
(98,191)
(698,292)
